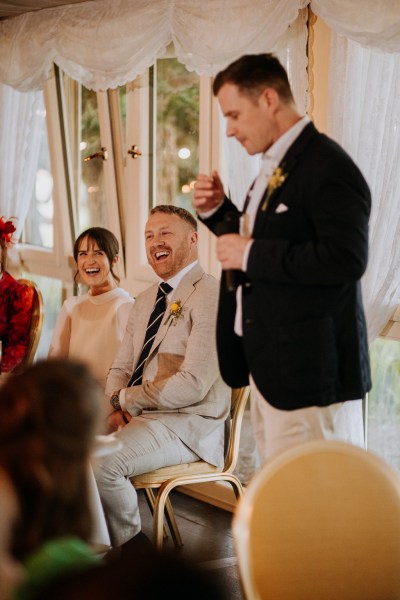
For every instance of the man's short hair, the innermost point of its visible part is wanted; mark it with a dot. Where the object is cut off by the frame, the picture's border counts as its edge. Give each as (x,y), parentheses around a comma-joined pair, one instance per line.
(182,213)
(252,73)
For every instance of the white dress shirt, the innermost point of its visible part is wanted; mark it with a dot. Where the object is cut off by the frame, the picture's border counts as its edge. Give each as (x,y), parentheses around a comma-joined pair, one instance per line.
(270,160)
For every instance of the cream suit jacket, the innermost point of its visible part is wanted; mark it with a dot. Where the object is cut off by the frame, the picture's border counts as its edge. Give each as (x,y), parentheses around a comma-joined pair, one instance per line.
(182,386)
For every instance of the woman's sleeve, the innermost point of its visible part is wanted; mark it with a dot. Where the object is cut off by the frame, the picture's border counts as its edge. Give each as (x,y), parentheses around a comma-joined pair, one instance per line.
(19,319)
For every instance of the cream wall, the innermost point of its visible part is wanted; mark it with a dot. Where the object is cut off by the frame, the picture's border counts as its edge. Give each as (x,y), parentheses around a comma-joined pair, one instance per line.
(319,54)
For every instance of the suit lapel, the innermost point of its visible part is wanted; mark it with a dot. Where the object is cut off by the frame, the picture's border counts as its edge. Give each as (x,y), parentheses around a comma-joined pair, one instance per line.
(286,166)
(182,294)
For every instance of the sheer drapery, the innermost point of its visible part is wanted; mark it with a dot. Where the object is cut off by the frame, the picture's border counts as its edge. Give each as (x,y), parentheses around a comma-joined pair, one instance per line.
(241,169)
(21,121)
(13,8)
(364,117)
(368,22)
(104,44)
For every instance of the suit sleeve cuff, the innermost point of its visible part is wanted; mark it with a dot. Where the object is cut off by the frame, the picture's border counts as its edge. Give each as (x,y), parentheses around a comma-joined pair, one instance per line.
(122,400)
(210,213)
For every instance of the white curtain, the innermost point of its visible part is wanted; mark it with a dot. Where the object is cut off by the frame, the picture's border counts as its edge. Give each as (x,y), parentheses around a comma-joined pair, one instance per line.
(106,43)
(22,118)
(241,169)
(372,23)
(364,117)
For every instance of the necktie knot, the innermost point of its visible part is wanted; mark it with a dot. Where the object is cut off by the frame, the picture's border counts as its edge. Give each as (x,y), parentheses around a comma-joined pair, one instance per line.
(164,289)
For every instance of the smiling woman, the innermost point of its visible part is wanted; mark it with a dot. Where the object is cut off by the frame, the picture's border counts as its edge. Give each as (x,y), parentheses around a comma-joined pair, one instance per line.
(90,327)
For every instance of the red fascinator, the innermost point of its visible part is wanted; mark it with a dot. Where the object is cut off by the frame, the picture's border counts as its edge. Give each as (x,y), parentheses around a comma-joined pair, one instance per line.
(7,229)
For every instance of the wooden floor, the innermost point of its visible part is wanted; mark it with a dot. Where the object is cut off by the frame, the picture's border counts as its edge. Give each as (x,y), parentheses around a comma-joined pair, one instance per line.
(207,537)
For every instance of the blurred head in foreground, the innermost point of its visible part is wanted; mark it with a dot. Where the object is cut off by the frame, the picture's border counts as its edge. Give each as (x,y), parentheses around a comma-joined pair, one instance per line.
(48,417)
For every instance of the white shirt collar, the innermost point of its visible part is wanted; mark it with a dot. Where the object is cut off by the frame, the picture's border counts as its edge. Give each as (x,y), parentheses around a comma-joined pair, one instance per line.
(279,148)
(176,279)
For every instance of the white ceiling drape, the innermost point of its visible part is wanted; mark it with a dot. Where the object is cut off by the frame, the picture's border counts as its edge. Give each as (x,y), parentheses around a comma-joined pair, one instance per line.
(368,22)
(104,44)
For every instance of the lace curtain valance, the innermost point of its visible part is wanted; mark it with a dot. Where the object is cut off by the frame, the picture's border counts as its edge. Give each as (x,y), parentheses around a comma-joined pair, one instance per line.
(368,22)
(105,43)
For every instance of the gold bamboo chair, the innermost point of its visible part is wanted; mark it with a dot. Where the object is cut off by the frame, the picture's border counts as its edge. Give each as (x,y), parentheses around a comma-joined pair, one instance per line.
(36,325)
(167,478)
(321,520)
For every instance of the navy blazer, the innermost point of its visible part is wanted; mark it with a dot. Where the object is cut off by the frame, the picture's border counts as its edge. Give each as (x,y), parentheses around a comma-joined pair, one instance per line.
(304,332)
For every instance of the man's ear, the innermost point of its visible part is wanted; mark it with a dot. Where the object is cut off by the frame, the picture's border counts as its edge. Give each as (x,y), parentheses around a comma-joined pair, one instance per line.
(194,237)
(271,97)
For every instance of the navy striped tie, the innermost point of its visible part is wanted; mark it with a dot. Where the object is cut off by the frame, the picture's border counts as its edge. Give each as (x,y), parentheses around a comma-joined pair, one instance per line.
(151,331)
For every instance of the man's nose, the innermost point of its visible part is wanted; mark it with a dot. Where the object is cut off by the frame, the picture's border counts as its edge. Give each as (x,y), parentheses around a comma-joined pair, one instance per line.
(230,130)
(158,242)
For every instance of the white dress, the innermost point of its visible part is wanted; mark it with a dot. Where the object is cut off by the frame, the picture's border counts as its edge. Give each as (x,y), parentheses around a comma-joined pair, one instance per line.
(90,328)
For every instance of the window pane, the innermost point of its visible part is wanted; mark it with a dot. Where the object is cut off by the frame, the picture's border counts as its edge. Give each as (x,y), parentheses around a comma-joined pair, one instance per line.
(383,429)
(38,228)
(83,132)
(176,132)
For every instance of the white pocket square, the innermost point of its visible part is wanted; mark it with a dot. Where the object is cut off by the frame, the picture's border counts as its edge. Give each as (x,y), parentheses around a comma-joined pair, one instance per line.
(281,208)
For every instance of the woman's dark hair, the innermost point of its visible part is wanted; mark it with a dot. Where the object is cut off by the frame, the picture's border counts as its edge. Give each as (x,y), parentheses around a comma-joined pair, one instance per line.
(106,241)
(48,417)
(254,72)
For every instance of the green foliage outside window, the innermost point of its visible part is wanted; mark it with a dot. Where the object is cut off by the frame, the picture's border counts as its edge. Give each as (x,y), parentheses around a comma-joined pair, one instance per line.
(383,435)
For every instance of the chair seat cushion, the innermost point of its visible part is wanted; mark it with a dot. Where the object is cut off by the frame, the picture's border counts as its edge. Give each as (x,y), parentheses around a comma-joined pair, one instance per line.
(158,476)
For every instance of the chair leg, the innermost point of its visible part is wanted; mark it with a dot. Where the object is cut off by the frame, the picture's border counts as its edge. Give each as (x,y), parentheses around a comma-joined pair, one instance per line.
(236,486)
(159,511)
(151,501)
(172,524)
(150,498)
(163,507)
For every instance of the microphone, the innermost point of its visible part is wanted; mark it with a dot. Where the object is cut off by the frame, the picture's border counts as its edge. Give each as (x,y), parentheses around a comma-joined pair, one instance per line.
(230,224)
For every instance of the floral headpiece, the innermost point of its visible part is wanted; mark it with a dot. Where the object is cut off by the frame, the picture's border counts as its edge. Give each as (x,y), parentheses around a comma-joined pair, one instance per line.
(7,228)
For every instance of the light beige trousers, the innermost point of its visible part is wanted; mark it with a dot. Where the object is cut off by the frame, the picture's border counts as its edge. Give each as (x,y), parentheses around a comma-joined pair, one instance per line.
(275,430)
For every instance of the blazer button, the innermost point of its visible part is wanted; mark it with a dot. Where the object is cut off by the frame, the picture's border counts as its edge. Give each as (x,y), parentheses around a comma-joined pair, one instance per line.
(248,321)
(247,284)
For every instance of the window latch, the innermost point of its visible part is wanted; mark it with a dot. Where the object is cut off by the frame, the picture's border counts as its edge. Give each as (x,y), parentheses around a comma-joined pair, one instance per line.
(134,151)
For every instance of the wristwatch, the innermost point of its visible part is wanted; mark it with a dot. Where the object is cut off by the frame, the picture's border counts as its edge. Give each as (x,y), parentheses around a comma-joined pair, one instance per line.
(114,401)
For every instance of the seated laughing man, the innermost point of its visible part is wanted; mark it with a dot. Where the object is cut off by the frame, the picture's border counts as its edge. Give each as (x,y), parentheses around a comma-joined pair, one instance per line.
(168,399)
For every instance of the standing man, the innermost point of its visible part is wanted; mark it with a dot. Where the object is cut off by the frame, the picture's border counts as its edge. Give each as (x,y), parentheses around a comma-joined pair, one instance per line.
(168,400)
(295,326)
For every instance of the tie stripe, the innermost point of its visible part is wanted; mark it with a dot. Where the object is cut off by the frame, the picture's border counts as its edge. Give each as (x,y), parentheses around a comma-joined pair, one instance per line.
(151,332)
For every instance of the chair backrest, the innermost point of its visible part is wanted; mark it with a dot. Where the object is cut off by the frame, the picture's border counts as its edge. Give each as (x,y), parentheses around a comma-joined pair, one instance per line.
(239,398)
(321,520)
(36,325)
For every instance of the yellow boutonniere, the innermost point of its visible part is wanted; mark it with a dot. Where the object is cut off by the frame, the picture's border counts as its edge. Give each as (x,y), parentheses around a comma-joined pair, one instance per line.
(274,182)
(175,311)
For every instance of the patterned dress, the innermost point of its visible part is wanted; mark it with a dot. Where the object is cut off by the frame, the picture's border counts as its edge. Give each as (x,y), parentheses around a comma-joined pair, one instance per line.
(16,302)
